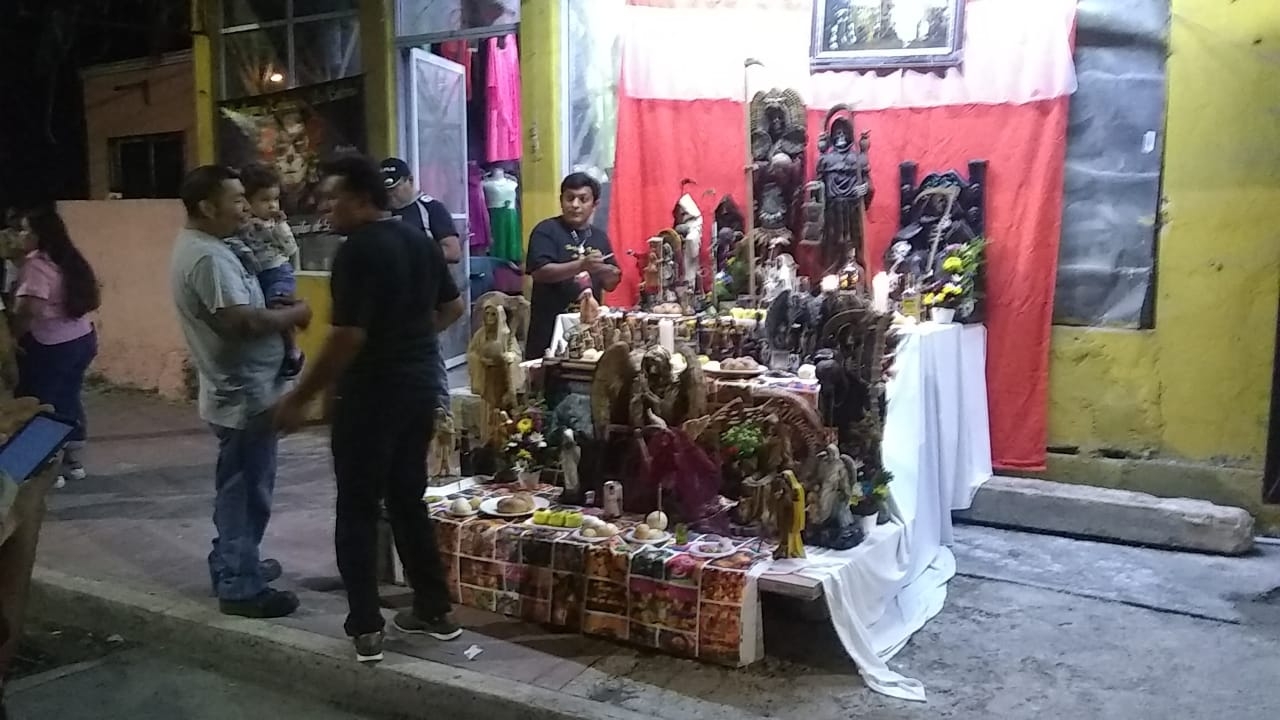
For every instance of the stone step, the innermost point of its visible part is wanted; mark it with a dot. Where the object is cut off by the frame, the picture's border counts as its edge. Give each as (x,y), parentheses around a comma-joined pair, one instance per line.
(1112,515)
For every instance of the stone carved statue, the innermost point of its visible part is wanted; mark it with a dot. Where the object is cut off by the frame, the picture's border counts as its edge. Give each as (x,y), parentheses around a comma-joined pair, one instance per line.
(778,140)
(612,500)
(442,444)
(638,388)
(493,363)
(829,491)
(845,170)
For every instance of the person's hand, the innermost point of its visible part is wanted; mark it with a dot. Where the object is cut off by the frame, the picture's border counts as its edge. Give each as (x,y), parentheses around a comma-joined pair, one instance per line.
(302,310)
(291,414)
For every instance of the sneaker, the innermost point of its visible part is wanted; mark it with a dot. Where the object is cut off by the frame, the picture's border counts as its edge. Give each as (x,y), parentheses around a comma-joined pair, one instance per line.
(60,483)
(440,628)
(76,473)
(268,604)
(368,647)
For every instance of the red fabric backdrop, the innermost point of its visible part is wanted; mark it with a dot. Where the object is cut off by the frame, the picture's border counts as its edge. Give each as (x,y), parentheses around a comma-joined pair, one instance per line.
(660,142)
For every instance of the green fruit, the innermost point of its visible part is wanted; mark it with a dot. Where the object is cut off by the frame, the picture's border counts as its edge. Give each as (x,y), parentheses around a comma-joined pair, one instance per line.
(541,517)
(573,520)
(557,519)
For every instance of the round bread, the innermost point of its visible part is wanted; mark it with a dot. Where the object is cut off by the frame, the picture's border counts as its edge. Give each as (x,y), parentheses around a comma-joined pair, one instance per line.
(514,505)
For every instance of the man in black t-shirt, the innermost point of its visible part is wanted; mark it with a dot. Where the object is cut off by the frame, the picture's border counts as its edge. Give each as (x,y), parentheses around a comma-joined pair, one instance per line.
(430,216)
(567,255)
(392,293)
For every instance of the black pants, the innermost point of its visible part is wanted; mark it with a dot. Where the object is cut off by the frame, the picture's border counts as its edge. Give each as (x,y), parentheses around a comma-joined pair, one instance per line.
(380,457)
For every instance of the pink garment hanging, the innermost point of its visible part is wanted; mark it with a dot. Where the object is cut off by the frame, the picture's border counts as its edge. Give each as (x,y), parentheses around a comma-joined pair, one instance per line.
(502,91)
(477,211)
(459,51)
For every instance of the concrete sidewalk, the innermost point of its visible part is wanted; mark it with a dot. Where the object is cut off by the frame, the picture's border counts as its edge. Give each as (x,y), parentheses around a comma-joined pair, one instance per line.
(1150,632)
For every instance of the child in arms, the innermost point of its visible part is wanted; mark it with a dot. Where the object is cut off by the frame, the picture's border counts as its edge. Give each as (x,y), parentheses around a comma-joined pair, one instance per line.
(266,246)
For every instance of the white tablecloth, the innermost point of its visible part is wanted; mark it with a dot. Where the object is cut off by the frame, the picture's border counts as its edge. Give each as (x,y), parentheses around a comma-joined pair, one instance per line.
(937,444)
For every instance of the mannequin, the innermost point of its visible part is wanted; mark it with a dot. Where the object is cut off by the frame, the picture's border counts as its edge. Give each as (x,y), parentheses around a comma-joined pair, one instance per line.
(500,192)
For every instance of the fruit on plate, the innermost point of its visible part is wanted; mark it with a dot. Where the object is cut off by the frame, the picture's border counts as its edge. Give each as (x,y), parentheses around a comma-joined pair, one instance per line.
(657,520)
(476,503)
(432,499)
(740,364)
(516,504)
(589,532)
(573,520)
(541,517)
(460,507)
(556,519)
(593,522)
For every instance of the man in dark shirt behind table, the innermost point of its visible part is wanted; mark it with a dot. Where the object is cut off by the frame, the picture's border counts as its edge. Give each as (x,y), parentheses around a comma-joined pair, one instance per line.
(567,255)
(392,293)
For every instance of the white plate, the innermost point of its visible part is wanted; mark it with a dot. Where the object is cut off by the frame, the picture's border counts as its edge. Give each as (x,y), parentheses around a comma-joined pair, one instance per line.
(460,516)
(490,507)
(757,372)
(709,556)
(630,536)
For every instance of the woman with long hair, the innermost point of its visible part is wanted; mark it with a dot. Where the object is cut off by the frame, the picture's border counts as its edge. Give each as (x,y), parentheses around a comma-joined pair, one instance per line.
(56,296)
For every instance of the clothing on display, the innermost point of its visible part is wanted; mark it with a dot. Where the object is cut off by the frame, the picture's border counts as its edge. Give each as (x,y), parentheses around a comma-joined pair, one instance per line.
(460,52)
(504,218)
(477,211)
(502,91)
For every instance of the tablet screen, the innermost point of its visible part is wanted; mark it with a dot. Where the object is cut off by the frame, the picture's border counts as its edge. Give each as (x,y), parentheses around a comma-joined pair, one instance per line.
(32,446)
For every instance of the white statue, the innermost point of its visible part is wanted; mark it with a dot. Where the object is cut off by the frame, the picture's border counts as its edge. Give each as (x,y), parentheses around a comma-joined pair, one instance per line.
(691,230)
(570,456)
(612,506)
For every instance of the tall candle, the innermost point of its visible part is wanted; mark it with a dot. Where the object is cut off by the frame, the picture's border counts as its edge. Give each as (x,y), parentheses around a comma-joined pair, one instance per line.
(667,334)
(830,284)
(880,292)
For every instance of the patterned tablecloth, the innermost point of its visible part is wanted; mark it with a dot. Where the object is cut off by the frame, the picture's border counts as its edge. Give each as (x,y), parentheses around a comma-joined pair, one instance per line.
(661,598)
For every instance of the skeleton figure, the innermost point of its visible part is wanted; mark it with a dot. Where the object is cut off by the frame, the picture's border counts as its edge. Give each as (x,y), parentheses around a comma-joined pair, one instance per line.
(845,172)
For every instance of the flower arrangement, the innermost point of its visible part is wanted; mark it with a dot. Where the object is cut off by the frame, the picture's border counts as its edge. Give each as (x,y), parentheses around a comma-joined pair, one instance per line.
(871,493)
(960,284)
(526,445)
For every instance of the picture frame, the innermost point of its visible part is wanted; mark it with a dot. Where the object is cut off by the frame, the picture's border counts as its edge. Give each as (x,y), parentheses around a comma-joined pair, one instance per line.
(862,35)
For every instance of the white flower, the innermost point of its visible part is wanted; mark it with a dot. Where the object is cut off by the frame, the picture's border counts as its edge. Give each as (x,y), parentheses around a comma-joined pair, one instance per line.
(537,438)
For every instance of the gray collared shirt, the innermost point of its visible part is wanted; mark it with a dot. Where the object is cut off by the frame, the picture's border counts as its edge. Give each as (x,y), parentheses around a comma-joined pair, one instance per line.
(239,377)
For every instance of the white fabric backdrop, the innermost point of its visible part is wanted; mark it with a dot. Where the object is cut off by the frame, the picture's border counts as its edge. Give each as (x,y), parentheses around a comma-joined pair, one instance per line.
(937,444)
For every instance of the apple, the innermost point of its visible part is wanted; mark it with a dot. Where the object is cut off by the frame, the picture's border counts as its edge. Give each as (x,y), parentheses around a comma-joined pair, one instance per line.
(573,520)
(541,517)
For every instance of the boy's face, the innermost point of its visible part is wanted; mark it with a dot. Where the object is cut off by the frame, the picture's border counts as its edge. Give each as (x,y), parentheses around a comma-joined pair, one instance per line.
(265,204)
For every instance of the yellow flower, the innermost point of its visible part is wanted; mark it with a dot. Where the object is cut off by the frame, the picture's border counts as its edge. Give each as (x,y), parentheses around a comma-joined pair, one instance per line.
(524,455)
(930,299)
(952,264)
(525,425)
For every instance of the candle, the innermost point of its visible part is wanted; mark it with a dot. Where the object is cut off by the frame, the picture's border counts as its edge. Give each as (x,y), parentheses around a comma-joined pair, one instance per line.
(830,283)
(880,292)
(667,334)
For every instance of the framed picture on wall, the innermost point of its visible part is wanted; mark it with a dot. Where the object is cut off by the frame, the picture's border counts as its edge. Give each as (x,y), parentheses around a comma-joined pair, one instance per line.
(886,34)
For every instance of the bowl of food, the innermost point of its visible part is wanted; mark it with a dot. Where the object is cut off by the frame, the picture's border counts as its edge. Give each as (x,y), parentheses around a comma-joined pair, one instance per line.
(513,506)
(739,367)
(644,535)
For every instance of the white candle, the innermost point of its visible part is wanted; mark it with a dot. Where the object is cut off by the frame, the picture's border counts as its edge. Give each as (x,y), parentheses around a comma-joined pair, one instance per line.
(830,283)
(880,292)
(667,334)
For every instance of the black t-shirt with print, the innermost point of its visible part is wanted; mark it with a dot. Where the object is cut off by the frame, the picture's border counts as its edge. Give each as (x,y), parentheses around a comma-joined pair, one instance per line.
(388,281)
(553,242)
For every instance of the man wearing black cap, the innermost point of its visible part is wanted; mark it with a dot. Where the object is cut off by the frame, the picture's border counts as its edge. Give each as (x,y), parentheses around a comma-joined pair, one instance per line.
(430,216)
(419,209)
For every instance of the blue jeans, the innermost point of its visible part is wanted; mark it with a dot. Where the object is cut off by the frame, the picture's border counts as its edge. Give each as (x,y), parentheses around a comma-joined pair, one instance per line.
(246,480)
(55,375)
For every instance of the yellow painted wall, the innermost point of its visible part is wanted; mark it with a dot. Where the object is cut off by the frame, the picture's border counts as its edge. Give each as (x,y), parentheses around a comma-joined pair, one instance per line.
(541,93)
(1197,386)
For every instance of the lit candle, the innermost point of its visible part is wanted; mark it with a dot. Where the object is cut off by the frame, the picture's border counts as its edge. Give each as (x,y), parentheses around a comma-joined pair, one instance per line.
(667,334)
(880,292)
(830,283)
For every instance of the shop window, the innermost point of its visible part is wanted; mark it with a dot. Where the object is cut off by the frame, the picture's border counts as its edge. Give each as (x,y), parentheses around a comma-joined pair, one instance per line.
(1110,221)
(147,166)
(273,45)
(443,17)
(594,56)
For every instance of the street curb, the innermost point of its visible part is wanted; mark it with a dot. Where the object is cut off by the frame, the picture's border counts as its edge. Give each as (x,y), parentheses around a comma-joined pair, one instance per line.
(284,657)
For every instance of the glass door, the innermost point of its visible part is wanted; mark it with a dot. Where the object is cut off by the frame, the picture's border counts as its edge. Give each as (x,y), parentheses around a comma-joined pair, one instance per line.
(435,136)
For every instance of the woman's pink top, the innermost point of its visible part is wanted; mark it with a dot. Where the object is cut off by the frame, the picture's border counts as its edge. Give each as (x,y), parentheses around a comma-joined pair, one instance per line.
(40,278)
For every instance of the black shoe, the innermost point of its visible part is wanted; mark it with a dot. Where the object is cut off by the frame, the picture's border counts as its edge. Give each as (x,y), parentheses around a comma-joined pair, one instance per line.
(368,647)
(440,628)
(268,604)
(269,569)
(292,366)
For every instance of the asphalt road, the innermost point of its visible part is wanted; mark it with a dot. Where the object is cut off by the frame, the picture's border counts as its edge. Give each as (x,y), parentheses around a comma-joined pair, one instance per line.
(137,684)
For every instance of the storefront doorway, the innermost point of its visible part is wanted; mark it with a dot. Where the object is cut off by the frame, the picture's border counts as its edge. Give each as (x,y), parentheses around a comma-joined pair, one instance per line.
(459,120)
(1271,475)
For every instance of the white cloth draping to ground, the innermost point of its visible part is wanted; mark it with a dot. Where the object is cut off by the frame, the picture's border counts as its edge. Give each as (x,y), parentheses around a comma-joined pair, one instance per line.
(937,445)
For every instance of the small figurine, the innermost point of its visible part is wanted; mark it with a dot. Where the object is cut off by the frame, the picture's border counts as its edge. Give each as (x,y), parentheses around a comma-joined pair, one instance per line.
(442,444)
(612,506)
(788,511)
(570,456)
